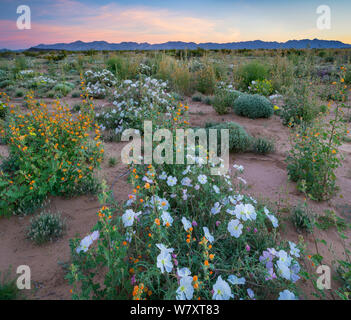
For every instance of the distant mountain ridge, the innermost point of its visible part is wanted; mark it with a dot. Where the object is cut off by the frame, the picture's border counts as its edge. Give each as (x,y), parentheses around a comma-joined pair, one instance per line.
(257,44)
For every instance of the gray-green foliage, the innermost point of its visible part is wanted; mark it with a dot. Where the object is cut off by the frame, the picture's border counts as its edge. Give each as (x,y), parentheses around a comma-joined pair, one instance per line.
(46,227)
(224,100)
(239,139)
(253,106)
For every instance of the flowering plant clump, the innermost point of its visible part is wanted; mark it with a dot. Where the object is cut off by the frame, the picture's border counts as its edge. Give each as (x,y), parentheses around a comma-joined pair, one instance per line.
(184,234)
(40,82)
(51,153)
(262,87)
(4,105)
(137,101)
(314,155)
(98,82)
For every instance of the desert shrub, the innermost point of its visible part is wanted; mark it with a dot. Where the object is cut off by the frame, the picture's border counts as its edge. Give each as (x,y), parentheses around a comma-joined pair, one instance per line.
(75,94)
(262,145)
(239,139)
(5,83)
(348,76)
(8,287)
(122,67)
(314,155)
(206,80)
(302,218)
(262,87)
(137,101)
(64,88)
(53,154)
(19,93)
(98,83)
(299,105)
(4,105)
(208,100)
(253,106)
(46,227)
(251,72)
(224,99)
(197,97)
(177,210)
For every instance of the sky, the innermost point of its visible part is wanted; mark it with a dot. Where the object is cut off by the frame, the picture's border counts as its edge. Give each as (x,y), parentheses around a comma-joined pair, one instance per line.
(157,21)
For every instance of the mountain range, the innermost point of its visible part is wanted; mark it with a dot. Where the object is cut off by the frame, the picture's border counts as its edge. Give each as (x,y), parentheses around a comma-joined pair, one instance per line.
(257,44)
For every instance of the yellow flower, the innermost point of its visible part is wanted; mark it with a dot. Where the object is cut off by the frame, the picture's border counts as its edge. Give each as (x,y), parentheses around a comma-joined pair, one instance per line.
(276,108)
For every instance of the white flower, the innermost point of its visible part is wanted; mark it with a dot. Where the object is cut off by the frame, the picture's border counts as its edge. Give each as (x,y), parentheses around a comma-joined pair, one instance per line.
(271,217)
(216,189)
(197,187)
(186,223)
(166,218)
(183,272)
(221,290)
(163,176)
(238,167)
(283,270)
(235,228)
(216,208)
(164,262)
(208,235)
(186,182)
(235,280)
(171,181)
(202,179)
(86,242)
(164,259)
(128,217)
(185,290)
(294,251)
(245,212)
(287,295)
(242,180)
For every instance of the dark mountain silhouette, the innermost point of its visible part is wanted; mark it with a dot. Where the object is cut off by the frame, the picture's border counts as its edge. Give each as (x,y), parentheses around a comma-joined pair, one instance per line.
(257,44)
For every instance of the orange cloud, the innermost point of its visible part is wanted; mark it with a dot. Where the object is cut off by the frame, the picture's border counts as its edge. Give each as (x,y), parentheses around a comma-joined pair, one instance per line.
(114,23)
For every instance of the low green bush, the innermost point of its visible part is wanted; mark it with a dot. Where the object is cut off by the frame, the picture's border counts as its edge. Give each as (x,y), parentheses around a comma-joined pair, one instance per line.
(239,139)
(262,145)
(224,100)
(253,106)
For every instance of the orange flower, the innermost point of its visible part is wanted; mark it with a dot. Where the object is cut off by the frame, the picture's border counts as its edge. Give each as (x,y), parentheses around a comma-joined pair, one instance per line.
(157,221)
(211,256)
(147,185)
(195,278)
(206,263)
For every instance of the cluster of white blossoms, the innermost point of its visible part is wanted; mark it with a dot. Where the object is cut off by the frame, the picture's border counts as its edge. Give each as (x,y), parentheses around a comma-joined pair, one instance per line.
(135,101)
(27,73)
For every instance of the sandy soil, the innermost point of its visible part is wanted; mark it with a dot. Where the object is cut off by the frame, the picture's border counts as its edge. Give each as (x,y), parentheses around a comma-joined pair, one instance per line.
(266,177)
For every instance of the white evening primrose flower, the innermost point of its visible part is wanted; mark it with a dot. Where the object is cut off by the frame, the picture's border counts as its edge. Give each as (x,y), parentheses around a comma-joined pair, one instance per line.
(202,179)
(171,181)
(271,217)
(235,280)
(287,295)
(221,290)
(186,224)
(163,176)
(87,241)
(186,182)
(294,251)
(208,235)
(235,228)
(164,262)
(166,218)
(183,272)
(185,290)
(216,189)
(197,187)
(245,212)
(216,208)
(128,217)
(283,270)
